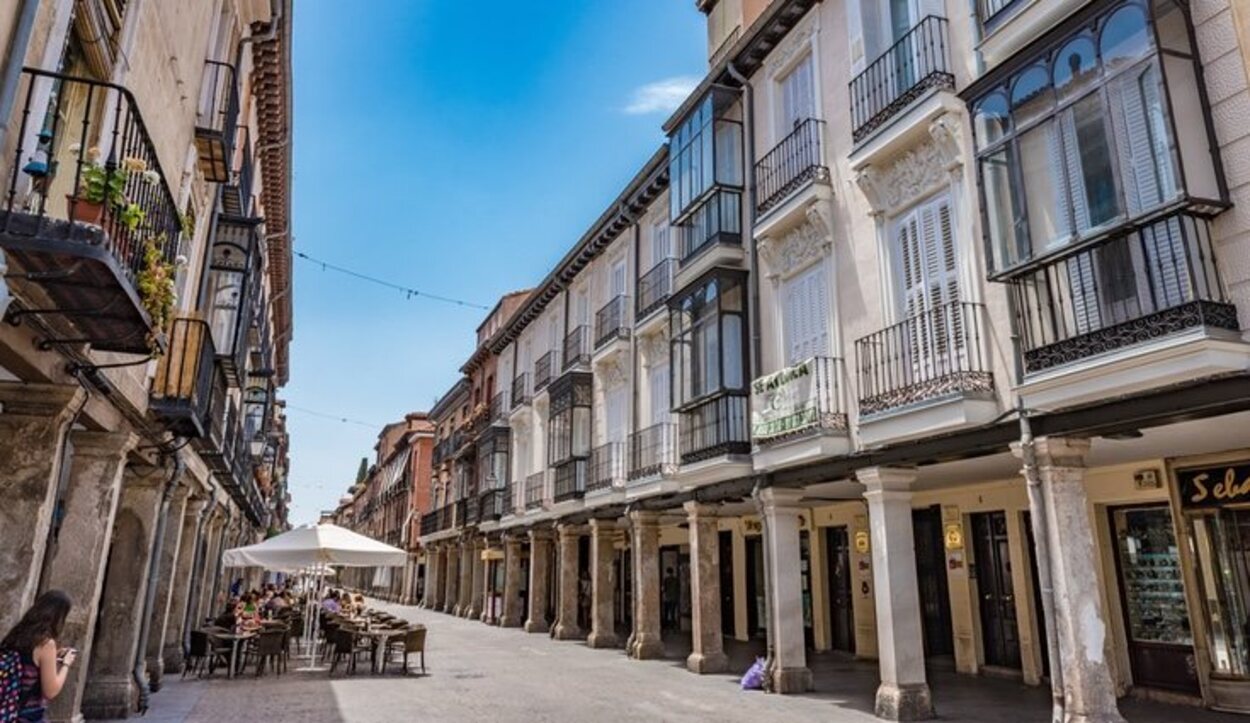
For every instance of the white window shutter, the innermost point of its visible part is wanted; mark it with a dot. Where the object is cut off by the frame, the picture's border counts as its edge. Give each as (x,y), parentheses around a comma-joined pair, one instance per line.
(798,97)
(658,381)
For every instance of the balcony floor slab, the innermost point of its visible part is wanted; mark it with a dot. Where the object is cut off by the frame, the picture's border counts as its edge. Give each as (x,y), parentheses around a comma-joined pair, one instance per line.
(801,450)
(935,416)
(716,469)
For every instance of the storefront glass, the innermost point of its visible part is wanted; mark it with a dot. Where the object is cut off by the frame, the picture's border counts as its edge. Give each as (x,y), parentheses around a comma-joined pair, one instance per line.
(1221,545)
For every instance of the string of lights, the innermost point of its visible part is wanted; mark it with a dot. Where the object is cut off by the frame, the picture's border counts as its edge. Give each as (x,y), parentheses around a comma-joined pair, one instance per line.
(333,417)
(408,292)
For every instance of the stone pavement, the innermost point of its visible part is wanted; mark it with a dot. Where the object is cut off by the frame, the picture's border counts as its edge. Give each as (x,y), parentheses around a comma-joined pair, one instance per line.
(482,673)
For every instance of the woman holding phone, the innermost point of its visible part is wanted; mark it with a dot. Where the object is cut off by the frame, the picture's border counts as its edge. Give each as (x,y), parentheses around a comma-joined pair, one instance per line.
(43,666)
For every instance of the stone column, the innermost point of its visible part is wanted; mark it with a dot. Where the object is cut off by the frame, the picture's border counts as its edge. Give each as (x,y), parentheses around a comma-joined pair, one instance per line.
(78,562)
(453,579)
(110,691)
(33,418)
(785,589)
(204,603)
(707,654)
(904,692)
(645,641)
(1088,690)
(566,585)
(511,617)
(540,579)
(464,589)
(477,597)
(602,624)
(180,592)
(432,556)
(171,550)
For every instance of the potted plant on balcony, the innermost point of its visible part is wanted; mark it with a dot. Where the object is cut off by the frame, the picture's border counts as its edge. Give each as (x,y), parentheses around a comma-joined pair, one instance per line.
(104,188)
(156,287)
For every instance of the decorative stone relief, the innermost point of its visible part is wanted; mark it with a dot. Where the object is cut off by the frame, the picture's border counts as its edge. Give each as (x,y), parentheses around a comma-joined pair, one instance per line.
(796,42)
(919,171)
(654,346)
(799,246)
(611,372)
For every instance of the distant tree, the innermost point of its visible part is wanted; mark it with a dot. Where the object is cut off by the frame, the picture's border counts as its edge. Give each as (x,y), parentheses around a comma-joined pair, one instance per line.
(363,471)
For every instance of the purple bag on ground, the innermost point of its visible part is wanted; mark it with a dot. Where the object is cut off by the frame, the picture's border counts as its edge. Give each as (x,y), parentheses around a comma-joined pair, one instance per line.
(754,677)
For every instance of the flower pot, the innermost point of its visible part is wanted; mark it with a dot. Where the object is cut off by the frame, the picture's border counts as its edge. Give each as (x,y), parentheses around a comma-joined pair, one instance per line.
(84,211)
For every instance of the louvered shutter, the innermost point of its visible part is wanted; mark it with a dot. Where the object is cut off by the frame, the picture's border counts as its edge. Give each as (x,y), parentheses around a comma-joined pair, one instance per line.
(798,97)
(1066,155)
(618,278)
(907,243)
(805,316)
(658,387)
(660,249)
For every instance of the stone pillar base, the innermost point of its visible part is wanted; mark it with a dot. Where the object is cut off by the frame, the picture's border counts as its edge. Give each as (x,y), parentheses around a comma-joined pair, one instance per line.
(707,663)
(646,648)
(173,658)
(904,702)
(602,640)
(108,698)
(507,622)
(568,632)
(795,680)
(536,626)
(156,673)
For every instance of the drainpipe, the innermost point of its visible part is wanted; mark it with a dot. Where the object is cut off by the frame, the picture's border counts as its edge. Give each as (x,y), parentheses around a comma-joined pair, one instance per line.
(770,615)
(753,262)
(197,569)
(149,595)
(1041,541)
(10,76)
(978,59)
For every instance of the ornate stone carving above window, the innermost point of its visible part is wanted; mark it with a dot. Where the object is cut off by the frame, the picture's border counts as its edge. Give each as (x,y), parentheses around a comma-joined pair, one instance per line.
(928,167)
(654,346)
(792,250)
(611,371)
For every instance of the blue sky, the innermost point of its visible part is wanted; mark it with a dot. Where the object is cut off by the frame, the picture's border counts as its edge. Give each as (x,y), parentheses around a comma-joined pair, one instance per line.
(458,148)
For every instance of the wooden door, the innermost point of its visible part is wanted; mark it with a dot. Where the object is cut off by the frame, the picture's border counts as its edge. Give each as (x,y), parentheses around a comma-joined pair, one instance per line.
(935,601)
(841,612)
(999,632)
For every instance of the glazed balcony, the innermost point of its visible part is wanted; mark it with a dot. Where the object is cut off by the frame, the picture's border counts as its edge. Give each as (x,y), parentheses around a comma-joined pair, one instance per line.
(569,480)
(577,347)
(535,490)
(655,286)
(545,370)
(653,451)
(521,390)
(911,66)
(607,467)
(492,505)
(87,213)
(795,162)
(717,221)
(1149,284)
(935,354)
(187,380)
(715,426)
(612,321)
(216,119)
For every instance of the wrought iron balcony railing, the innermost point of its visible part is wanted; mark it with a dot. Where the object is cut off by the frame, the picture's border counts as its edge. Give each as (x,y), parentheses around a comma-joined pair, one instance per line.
(937,353)
(545,370)
(492,505)
(520,390)
(653,451)
(915,63)
(715,426)
(607,467)
(236,195)
(216,119)
(499,409)
(800,399)
(535,490)
(569,481)
(1152,282)
(88,211)
(656,286)
(612,321)
(187,381)
(577,347)
(794,162)
(717,220)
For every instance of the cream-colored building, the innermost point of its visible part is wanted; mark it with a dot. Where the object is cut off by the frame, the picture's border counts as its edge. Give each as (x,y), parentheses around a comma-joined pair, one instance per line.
(144,219)
(894,252)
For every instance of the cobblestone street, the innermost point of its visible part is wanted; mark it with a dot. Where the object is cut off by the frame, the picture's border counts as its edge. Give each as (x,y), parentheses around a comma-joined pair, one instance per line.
(482,673)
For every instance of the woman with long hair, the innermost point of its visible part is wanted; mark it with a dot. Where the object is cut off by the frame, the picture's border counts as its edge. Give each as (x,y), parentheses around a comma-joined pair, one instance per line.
(43,666)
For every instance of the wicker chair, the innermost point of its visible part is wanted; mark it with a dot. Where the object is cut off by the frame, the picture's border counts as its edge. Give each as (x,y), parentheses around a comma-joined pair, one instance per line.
(267,648)
(413,641)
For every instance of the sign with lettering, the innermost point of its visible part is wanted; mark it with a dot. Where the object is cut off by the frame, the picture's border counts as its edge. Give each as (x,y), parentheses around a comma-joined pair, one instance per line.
(785,402)
(1214,486)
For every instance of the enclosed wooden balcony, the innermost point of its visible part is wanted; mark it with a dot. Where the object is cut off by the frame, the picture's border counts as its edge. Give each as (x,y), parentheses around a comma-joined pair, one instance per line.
(188,381)
(216,119)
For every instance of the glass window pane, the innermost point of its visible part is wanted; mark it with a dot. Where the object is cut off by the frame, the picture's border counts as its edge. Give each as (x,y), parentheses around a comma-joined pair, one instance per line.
(1076,68)
(1125,38)
(1143,139)
(992,120)
(1041,168)
(1223,588)
(1090,175)
(734,352)
(1007,244)
(1031,97)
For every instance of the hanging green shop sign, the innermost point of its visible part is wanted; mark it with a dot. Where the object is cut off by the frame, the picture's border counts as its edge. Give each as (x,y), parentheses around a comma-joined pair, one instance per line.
(1214,486)
(785,402)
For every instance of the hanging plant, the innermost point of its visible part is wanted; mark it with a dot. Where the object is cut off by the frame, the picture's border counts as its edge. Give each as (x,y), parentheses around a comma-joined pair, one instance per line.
(156,287)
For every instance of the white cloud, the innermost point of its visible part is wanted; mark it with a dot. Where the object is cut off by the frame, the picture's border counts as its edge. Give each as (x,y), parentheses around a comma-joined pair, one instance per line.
(662,95)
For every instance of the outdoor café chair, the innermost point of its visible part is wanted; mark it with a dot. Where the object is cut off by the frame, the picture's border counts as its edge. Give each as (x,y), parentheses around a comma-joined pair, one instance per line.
(343,645)
(267,648)
(413,641)
(203,653)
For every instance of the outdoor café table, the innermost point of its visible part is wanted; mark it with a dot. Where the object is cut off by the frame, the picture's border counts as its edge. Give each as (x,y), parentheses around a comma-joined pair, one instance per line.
(379,636)
(234,640)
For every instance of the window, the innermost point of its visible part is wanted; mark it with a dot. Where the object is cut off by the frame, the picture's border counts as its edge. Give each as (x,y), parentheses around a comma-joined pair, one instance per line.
(705,151)
(616,413)
(1081,142)
(927,270)
(723,21)
(618,281)
(797,95)
(658,390)
(661,246)
(708,339)
(805,321)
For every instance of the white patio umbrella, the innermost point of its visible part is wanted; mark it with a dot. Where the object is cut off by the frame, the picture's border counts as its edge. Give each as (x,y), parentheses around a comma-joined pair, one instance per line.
(319,547)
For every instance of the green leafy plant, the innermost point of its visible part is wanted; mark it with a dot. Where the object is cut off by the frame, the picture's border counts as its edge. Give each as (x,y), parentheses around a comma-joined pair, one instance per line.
(132,215)
(156,284)
(187,221)
(106,186)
